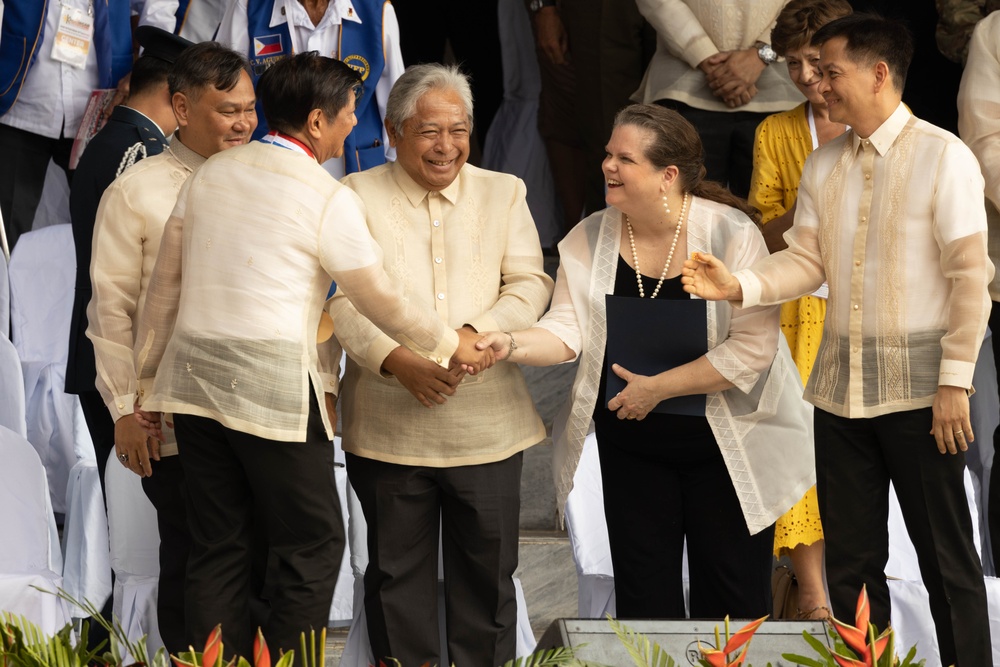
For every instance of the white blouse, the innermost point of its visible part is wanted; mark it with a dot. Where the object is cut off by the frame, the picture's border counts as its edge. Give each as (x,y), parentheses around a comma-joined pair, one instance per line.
(762,425)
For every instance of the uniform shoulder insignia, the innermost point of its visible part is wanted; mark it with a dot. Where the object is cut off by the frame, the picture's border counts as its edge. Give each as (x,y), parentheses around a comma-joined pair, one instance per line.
(133,154)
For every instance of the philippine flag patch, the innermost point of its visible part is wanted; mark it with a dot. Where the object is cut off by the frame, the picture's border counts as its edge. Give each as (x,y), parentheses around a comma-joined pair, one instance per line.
(266,45)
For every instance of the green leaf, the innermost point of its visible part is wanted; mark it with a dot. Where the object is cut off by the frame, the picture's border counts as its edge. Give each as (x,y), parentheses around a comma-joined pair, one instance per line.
(802,660)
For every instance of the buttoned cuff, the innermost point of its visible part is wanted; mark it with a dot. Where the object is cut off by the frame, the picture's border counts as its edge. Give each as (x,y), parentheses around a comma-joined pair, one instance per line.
(701,48)
(121,406)
(751,289)
(330,383)
(955,373)
(442,354)
(377,353)
(483,323)
(145,390)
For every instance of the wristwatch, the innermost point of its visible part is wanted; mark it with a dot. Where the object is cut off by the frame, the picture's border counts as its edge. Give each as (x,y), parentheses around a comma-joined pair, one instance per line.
(766,53)
(536,5)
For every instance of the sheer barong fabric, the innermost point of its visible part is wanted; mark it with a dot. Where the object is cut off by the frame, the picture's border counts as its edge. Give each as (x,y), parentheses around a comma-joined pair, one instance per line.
(762,425)
(896,225)
(229,328)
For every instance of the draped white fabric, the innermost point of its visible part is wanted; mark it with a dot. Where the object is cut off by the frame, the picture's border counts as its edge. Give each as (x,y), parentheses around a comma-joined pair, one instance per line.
(135,544)
(4,295)
(86,555)
(30,558)
(42,278)
(11,389)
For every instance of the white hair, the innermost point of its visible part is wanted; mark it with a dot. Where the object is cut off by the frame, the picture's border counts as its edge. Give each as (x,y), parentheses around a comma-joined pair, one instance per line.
(418,80)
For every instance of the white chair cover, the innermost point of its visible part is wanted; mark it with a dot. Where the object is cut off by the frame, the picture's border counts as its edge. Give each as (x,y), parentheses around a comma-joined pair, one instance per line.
(513,144)
(135,558)
(53,206)
(12,407)
(985,407)
(86,552)
(4,295)
(30,556)
(40,319)
(342,608)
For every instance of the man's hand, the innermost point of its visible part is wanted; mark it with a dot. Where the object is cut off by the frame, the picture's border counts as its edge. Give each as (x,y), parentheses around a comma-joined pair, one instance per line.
(131,448)
(734,78)
(428,382)
(951,426)
(152,424)
(705,276)
(638,397)
(331,408)
(550,35)
(468,356)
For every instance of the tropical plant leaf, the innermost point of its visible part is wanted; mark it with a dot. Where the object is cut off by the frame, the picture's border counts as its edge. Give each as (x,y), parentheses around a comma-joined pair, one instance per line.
(644,653)
(802,660)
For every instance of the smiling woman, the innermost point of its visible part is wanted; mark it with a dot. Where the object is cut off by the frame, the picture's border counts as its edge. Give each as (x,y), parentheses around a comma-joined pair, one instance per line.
(671,478)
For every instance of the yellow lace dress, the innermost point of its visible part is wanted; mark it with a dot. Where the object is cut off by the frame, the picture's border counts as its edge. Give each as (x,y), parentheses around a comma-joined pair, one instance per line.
(783,142)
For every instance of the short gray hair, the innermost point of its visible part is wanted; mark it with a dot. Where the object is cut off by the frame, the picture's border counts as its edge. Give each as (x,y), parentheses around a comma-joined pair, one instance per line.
(418,80)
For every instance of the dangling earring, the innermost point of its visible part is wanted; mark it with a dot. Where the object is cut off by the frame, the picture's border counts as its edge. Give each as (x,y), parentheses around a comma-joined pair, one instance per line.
(666,208)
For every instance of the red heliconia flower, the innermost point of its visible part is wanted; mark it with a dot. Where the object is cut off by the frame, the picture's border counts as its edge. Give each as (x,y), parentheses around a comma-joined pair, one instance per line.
(856,636)
(213,648)
(717,658)
(180,662)
(261,656)
(849,662)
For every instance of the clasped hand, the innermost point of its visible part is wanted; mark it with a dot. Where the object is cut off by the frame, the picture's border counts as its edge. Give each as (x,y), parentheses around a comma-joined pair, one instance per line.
(639,396)
(732,75)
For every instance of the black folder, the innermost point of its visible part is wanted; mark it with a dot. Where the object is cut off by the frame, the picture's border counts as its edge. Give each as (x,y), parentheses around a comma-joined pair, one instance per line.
(649,336)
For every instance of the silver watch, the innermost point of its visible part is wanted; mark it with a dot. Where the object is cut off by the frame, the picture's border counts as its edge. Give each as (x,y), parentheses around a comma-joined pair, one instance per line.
(536,5)
(766,53)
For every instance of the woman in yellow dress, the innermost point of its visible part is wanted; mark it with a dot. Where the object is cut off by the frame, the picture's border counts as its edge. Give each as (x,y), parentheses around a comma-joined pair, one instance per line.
(784,140)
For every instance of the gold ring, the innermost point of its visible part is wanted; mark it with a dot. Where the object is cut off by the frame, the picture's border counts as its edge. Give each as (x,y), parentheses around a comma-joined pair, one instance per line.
(959,432)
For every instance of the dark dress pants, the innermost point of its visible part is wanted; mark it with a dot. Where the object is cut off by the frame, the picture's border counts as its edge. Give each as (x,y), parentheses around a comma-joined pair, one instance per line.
(855,461)
(727,138)
(22,175)
(477,508)
(165,490)
(238,483)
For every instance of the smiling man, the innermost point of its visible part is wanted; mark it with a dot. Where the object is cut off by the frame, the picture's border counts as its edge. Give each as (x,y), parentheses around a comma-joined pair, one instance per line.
(229,346)
(461,241)
(213,101)
(891,214)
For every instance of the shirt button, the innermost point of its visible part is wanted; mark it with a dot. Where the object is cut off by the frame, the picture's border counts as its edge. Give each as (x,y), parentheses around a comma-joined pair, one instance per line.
(856,306)
(857,262)
(121,406)
(864,218)
(440,296)
(868,177)
(437,223)
(437,260)
(867,143)
(856,349)
(440,360)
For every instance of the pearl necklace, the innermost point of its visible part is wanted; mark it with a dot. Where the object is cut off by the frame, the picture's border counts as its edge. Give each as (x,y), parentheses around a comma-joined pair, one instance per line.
(670,255)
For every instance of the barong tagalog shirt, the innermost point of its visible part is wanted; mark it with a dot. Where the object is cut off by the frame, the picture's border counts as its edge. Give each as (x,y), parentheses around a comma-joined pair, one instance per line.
(260,230)
(127,234)
(895,223)
(471,254)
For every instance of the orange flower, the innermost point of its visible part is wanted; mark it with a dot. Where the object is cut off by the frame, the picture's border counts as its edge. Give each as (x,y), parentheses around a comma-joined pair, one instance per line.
(717,658)
(213,648)
(261,656)
(860,637)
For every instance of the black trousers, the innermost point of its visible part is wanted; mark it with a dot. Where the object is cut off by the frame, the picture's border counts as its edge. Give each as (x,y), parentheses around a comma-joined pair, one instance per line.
(993,510)
(655,499)
(22,175)
(477,508)
(237,483)
(855,461)
(165,490)
(727,138)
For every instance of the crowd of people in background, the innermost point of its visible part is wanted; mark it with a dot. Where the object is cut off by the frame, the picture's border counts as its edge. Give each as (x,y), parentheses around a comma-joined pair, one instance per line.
(283,182)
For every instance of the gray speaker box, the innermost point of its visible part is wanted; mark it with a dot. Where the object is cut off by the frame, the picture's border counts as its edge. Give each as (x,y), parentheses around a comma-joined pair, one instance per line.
(593,639)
